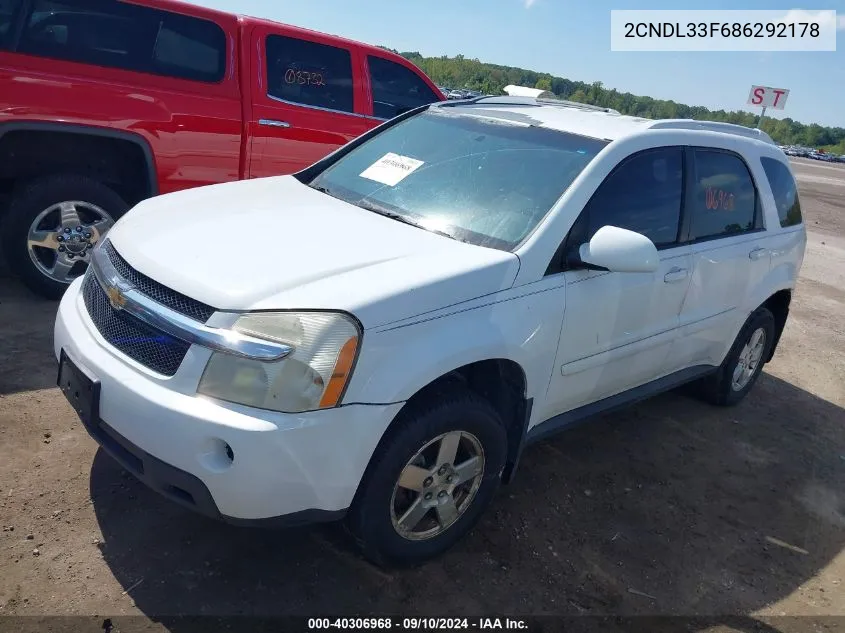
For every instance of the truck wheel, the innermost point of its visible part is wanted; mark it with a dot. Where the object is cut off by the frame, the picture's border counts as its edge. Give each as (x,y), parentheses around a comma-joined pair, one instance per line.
(51,225)
(430,479)
(744,362)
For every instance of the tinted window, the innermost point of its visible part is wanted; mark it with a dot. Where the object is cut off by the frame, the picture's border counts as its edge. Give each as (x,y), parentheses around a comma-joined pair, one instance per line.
(724,200)
(643,194)
(127,36)
(480,180)
(8,13)
(785,191)
(397,89)
(309,73)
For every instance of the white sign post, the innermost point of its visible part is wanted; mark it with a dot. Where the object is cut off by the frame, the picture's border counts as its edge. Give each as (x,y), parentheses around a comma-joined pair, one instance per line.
(767,98)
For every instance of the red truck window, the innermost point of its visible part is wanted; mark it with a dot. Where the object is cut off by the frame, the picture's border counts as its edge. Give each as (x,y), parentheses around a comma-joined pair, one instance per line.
(8,15)
(308,73)
(396,89)
(126,36)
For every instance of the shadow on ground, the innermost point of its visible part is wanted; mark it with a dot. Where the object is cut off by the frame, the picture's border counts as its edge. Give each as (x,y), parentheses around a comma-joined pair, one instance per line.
(670,507)
(27,362)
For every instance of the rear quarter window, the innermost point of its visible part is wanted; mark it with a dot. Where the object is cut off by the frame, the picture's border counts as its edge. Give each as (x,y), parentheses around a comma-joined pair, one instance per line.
(785,191)
(396,89)
(126,36)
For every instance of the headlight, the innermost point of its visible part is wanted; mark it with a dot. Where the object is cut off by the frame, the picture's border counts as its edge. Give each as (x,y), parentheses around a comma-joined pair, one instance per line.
(313,376)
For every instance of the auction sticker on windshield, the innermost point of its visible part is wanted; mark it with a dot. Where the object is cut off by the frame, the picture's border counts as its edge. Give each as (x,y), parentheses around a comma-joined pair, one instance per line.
(391,169)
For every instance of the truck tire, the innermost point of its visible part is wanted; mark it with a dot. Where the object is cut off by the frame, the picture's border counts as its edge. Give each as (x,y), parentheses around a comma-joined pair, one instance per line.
(744,362)
(430,479)
(51,225)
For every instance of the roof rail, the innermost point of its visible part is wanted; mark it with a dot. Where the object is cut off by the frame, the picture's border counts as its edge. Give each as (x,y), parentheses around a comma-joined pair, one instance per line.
(712,126)
(524,100)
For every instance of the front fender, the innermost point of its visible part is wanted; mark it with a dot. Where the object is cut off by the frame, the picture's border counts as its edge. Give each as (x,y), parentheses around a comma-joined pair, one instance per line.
(396,362)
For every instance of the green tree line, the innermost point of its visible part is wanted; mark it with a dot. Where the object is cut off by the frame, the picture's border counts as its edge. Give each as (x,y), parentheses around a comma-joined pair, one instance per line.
(461,72)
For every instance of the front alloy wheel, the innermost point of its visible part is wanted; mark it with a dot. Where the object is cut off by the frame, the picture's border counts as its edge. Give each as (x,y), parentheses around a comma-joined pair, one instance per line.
(61,238)
(437,485)
(52,224)
(430,478)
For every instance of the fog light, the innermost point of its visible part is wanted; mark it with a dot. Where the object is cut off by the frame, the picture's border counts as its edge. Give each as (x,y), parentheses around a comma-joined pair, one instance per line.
(216,455)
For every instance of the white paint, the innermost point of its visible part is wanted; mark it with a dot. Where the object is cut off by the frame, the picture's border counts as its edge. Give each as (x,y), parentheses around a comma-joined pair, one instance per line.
(428,304)
(391,169)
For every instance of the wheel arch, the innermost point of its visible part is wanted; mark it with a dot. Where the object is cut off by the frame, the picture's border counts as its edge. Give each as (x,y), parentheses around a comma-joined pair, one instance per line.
(500,381)
(778,304)
(15,135)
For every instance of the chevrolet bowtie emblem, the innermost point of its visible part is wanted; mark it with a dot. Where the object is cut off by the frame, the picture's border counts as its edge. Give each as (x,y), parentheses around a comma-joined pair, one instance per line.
(116,298)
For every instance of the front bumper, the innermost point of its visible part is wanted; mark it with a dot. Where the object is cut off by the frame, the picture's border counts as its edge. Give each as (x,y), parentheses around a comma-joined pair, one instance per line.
(287,468)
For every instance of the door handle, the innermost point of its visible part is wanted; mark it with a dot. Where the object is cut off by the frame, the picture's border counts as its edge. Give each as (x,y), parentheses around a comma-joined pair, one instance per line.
(675,275)
(757,253)
(272,123)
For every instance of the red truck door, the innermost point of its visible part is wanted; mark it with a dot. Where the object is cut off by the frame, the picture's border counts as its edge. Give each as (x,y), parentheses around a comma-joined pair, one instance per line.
(307,99)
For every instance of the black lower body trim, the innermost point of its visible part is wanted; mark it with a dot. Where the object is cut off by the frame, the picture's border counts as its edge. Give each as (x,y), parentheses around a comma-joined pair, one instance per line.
(187,489)
(571,418)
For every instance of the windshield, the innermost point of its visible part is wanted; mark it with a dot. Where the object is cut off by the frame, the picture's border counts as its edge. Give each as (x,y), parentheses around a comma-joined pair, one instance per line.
(474,178)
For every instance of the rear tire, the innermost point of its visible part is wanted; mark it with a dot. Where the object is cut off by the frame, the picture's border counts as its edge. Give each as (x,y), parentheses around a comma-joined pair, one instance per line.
(380,517)
(744,362)
(26,214)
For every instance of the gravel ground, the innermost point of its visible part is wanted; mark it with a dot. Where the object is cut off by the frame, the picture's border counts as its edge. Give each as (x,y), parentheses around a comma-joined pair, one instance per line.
(672,507)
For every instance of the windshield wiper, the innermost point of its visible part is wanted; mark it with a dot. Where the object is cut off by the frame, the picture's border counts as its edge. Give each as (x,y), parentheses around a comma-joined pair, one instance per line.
(369,206)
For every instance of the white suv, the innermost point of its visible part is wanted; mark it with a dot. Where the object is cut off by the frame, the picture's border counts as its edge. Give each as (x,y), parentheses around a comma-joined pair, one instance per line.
(380,335)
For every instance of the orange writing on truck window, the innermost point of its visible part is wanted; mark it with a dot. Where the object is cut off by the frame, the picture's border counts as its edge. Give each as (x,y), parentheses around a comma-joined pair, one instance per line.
(303,77)
(719,199)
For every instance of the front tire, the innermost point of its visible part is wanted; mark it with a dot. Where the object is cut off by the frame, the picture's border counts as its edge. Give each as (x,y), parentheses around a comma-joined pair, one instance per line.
(744,362)
(51,225)
(432,476)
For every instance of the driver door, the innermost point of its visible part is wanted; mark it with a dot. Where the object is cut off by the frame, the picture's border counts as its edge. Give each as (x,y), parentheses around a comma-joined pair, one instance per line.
(619,328)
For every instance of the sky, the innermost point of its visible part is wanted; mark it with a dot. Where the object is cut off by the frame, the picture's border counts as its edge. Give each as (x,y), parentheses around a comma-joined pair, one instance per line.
(571,39)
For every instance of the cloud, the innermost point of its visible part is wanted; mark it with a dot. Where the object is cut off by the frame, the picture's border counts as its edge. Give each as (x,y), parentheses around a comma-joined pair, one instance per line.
(826,18)
(529,3)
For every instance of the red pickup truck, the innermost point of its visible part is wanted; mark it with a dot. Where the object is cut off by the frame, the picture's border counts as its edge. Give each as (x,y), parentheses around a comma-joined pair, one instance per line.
(106,102)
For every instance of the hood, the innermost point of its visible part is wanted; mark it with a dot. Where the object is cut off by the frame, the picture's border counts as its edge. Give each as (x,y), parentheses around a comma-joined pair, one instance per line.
(274,243)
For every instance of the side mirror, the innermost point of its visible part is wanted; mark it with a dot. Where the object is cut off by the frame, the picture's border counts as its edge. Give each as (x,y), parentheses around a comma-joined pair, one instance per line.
(620,251)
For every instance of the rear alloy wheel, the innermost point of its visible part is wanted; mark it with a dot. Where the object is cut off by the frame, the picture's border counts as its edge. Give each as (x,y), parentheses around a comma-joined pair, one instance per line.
(51,226)
(431,477)
(744,362)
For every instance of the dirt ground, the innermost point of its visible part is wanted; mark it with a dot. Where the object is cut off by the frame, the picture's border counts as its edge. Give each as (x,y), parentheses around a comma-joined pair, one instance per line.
(672,507)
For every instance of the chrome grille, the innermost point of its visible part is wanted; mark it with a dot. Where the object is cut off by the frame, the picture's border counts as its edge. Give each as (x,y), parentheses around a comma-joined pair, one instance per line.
(155,291)
(151,347)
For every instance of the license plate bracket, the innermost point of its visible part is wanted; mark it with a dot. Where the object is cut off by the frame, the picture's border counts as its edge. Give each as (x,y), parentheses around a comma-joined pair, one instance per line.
(81,389)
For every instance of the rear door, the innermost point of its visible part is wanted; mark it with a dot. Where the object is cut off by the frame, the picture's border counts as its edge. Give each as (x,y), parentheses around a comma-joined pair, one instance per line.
(729,251)
(307,99)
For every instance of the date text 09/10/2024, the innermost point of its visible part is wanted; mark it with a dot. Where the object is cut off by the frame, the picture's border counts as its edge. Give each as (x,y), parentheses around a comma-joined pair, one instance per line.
(417,624)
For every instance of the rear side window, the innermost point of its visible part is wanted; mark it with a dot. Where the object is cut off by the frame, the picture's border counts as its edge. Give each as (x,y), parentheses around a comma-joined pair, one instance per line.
(126,36)
(308,73)
(724,199)
(396,89)
(643,194)
(785,191)
(8,14)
